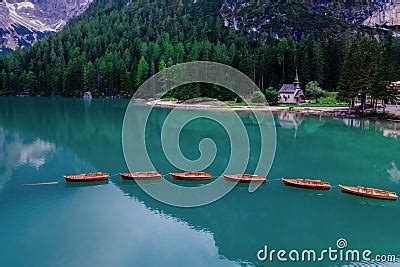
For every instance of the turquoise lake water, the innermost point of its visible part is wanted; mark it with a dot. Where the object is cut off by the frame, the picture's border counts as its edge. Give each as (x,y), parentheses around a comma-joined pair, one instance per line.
(117,224)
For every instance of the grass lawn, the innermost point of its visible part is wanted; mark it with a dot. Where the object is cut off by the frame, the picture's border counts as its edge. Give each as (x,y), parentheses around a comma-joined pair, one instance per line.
(328,100)
(168,99)
(324,105)
(236,104)
(315,105)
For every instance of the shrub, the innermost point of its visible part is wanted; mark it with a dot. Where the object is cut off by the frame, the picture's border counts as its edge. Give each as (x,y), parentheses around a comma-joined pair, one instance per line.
(271,95)
(257,98)
(314,90)
(330,94)
(239,100)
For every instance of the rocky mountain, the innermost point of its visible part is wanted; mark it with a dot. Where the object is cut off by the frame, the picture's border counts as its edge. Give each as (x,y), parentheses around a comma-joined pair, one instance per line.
(23,22)
(306,16)
(385,15)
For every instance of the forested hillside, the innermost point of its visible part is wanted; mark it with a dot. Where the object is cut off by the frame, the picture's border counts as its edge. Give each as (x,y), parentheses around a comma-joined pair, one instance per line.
(116,45)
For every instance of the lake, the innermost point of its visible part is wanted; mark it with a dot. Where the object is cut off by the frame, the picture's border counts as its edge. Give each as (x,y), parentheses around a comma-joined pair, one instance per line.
(118,224)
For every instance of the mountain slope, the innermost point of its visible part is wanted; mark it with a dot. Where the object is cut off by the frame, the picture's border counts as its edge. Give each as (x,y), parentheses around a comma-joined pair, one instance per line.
(23,22)
(386,15)
(338,18)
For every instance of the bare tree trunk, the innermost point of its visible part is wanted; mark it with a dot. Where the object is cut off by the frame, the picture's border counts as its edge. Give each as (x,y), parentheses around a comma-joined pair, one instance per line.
(262,81)
(372,104)
(363,101)
(254,70)
(350,106)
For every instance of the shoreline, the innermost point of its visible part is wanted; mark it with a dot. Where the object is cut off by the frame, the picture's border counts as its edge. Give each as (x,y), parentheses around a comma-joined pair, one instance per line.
(392,111)
(334,111)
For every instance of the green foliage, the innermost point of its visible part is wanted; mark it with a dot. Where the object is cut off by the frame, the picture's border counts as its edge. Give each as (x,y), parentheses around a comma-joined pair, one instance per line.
(329,100)
(359,68)
(313,90)
(239,100)
(368,69)
(88,76)
(236,104)
(142,71)
(113,48)
(385,73)
(168,99)
(29,81)
(257,98)
(330,94)
(271,95)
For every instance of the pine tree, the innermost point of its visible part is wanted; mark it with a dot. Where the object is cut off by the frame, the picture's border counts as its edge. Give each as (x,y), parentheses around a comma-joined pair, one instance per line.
(88,76)
(142,71)
(347,87)
(318,62)
(30,84)
(386,73)
(127,83)
(4,82)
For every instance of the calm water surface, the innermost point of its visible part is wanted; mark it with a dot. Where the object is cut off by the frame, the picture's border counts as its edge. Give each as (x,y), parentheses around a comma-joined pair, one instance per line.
(117,224)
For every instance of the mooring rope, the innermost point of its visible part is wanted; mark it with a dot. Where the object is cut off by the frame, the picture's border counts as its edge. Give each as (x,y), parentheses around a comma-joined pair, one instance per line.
(273,180)
(164,175)
(45,183)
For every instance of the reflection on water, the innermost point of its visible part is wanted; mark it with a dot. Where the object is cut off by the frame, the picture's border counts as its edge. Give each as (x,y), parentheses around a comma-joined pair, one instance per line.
(34,154)
(117,224)
(394,173)
(290,120)
(387,128)
(16,153)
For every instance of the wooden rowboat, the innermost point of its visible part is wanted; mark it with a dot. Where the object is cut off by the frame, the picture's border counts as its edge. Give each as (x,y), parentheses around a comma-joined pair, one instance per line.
(368,192)
(140,175)
(245,178)
(89,177)
(307,184)
(194,176)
